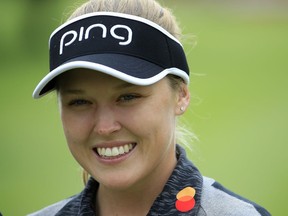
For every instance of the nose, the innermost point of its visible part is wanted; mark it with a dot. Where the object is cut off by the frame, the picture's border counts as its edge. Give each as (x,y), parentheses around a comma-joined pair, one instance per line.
(106,122)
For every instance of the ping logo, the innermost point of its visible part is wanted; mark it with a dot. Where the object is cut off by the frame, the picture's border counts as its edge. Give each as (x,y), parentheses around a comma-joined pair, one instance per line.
(84,34)
(185,199)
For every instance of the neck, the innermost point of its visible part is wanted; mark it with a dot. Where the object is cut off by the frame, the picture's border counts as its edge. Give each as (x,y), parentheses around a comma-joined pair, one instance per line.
(135,200)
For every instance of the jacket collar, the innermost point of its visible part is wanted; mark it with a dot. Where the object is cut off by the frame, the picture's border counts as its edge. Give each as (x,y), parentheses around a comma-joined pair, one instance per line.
(169,202)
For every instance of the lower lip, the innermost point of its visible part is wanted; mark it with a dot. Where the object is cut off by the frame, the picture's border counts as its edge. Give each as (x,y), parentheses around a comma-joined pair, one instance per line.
(116,159)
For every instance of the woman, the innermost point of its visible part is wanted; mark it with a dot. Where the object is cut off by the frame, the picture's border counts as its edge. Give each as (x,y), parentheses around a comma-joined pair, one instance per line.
(122,80)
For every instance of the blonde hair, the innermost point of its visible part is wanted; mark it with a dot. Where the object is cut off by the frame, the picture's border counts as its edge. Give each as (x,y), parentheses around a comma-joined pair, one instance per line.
(148,9)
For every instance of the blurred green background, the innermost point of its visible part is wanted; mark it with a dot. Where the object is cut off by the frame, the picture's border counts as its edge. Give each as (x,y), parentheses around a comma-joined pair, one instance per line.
(239,108)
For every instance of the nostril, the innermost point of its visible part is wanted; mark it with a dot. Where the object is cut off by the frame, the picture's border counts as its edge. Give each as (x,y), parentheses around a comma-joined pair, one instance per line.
(107,131)
(107,128)
(105,121)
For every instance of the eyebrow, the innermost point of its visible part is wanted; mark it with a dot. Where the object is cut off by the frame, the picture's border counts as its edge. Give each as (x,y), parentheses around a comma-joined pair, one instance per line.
(125,85)
(73,91)
(80,91)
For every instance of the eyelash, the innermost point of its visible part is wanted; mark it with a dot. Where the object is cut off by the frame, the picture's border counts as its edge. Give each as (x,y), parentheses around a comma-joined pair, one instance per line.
(128,98)
(123,98)
(78,102)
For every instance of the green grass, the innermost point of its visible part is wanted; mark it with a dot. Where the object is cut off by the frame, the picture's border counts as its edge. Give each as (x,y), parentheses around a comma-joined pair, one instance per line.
(238,110)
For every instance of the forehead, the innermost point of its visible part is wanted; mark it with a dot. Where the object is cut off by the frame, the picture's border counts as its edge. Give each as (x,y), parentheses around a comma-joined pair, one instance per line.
(84,78)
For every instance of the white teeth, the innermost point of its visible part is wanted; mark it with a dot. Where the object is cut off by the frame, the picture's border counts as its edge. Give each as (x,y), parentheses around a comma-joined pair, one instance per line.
(126,148)
(115,151)
(121,150)
(108,152)
(102,151)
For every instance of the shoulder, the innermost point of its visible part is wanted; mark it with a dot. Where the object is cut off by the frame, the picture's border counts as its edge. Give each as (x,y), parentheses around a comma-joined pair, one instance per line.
(52,209)
(217,200)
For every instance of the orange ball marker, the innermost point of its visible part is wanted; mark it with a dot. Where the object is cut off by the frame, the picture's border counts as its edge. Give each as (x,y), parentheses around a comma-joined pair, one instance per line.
(185,199)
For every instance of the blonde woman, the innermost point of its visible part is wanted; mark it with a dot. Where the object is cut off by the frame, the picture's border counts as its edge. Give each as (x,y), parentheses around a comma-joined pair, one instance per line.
(121,78)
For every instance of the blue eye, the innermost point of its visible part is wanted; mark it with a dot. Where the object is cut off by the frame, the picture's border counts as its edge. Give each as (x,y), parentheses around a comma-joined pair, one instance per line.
(78,102)
(128,97)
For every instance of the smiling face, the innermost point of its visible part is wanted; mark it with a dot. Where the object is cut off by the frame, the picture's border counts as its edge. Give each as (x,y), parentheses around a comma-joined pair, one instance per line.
(122,134)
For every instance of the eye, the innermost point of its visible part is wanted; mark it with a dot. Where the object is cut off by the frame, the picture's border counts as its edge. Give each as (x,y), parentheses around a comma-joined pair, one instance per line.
(78,102)
(128,97)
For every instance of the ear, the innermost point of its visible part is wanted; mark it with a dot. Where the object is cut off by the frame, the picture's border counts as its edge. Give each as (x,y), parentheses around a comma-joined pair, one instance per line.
(183,99)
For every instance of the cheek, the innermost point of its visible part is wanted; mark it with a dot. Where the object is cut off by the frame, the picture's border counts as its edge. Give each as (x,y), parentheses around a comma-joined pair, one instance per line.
(76,129)
(152,121)
(76,136)
(163,120)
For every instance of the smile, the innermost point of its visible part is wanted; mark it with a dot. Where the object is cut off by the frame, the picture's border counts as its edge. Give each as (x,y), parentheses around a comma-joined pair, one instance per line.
(114,151)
